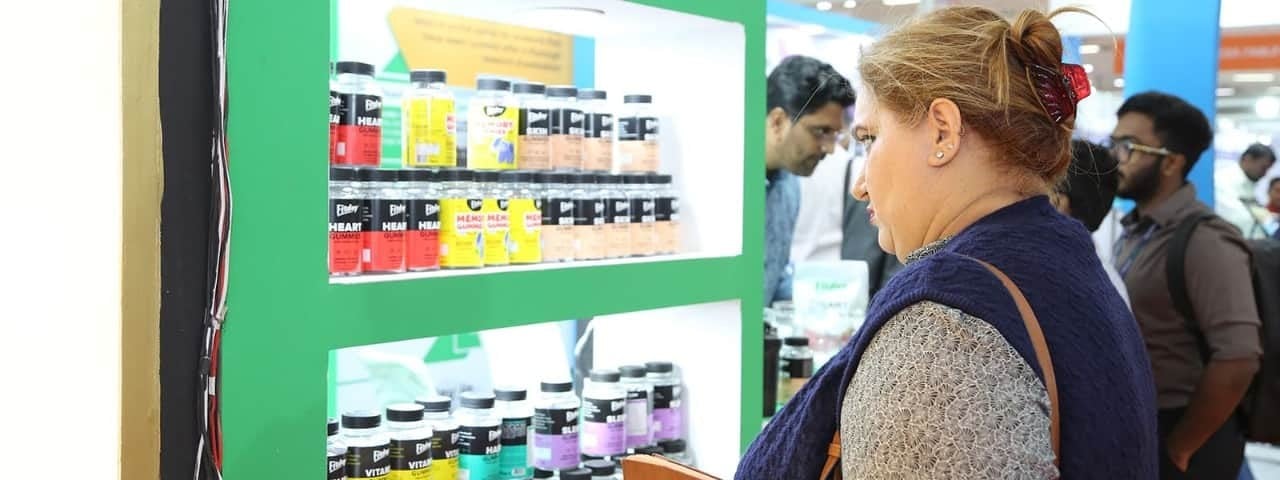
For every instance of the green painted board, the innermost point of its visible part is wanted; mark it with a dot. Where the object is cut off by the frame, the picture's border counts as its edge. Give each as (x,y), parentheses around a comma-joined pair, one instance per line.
(283,315)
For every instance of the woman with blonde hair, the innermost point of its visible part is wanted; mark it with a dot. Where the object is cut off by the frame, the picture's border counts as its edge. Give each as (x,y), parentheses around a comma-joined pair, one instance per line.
(1001,350)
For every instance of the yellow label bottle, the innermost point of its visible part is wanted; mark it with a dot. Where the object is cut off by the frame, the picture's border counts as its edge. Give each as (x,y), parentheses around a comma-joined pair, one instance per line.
(429,138)
(462,233)
(497,229)
(492,126)
(525,215)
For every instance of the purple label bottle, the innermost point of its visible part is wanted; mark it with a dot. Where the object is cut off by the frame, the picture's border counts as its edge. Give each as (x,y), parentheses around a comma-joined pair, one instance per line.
(668,400)
(639,406)
(604,415)
(555,427)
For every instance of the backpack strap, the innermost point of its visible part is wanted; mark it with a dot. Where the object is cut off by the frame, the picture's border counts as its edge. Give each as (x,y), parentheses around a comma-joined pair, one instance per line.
(1176,274)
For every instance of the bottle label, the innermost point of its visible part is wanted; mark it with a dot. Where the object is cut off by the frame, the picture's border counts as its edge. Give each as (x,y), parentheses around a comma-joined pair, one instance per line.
(514,459)
(430,132)
(618,230)
(535,130)
(444,455)
(555,438)
(497,227)
(666,209)
(337,467)
(638,128)
(359,130)
(369,462)
(599,125)
(566,138)
(597,149)
(335,115)
(346,236)
(603,427)
(797,367)
(638,144)
(410,459)
(667,420)
(423,245)
(638,419)
(480,449)
(461,233)
(558,217)
(589,230)
(385,223)
(491,137)
(525,245)
(642,222)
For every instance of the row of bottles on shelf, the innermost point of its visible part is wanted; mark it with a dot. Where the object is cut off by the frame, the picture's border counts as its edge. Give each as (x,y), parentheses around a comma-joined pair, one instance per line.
(634,410)
(509,125)
(392,221)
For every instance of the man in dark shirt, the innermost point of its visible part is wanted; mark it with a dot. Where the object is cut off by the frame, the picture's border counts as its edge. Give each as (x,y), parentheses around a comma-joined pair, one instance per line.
(1157,140)
(806,100)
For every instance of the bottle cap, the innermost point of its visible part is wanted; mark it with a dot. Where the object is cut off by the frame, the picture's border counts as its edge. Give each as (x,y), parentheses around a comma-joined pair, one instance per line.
(637,99)
(557,387)
(650,450)
(540,473)
(428,76)
(530,87)
(606,376)
(458,175)
(575,474)
(361,419)
(659,367)
(379,174)
(435,403)
(600,468)
(562,91)
(333,427)
(358,68)
(479,401)
(592,94)
(342,174)
(637,179)
(492,84)
(487,176)
(673,446)
(404,412)
(425,175)
(796,341)
(633,371)
(511,394)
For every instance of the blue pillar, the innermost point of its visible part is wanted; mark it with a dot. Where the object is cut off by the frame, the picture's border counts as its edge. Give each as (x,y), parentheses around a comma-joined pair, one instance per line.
(1172,46)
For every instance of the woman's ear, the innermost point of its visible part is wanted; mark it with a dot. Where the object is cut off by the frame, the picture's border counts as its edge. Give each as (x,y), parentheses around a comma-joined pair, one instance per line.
(945,124)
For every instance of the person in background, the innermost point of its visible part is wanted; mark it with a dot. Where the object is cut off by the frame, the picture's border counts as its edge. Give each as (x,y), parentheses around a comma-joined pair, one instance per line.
(1157,140)
(817,234)
(966,119)
(1087,194)
(1273,197)
(1235,192)
(824,233)
(805,101)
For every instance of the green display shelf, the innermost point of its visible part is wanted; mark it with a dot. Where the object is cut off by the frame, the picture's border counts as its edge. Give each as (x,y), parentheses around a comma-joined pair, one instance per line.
(284,313)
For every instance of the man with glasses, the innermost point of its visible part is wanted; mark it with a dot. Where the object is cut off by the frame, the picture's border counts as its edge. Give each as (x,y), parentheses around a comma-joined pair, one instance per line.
(1156,141)
(805,100)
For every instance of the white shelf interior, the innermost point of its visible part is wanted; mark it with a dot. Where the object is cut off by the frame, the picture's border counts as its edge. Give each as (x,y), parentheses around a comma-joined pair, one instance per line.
(693,66)
(373,376)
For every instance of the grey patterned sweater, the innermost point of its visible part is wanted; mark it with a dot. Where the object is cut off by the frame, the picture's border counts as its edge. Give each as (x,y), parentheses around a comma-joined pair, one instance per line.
(941,394)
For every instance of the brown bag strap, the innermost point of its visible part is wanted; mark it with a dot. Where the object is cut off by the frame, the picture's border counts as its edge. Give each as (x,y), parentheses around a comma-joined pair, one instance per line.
(1042,354)
(831,470)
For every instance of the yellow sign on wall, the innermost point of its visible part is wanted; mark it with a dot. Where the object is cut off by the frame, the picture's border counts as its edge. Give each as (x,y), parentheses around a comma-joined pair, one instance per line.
(466,48)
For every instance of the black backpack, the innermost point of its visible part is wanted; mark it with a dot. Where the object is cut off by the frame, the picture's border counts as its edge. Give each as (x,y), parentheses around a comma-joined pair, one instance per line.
(1260,410)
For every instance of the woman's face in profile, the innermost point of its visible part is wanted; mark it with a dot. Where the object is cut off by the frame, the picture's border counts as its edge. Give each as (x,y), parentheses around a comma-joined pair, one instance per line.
(895,180)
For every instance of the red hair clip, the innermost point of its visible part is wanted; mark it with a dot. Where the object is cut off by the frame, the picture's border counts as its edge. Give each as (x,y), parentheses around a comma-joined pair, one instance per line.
(1059,91)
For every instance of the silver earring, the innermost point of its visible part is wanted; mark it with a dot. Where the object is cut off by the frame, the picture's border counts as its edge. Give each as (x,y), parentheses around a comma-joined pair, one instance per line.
(939,155)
